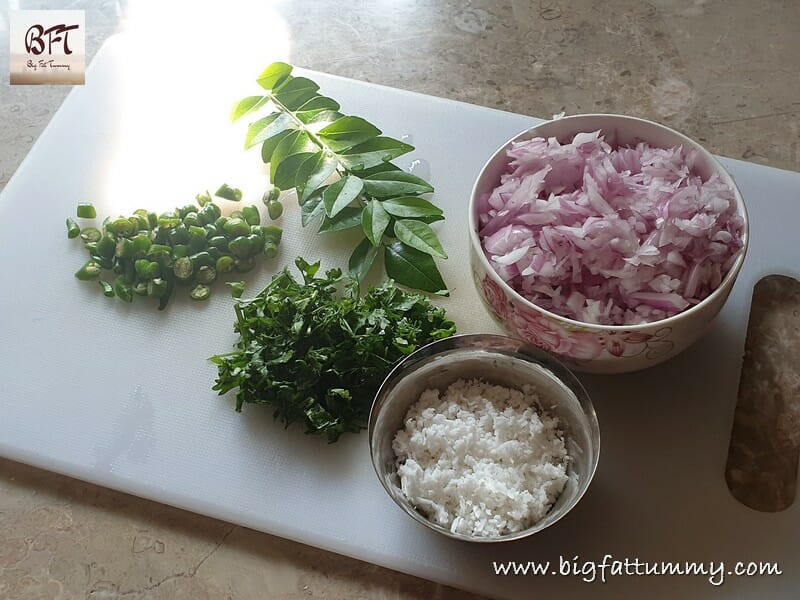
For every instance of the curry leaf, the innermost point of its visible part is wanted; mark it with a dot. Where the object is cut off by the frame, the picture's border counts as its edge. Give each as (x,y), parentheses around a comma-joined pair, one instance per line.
(314,173)
(419,235)
(311,209)
(411,206)
(408,266)
(374,152)
(289,169)
(265,128)
(294,143)
(347,218)
(318,118)
(295,92)
(246,105)
(361,260)
(430,219)
(269,145)
(379,168)
(342,193)
(319,103)
(347,132)
(273,75)
(390,184)
(375,220)
(318,177)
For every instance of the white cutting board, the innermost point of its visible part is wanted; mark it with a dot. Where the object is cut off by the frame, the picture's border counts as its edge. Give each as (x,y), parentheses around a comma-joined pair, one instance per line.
(120,395)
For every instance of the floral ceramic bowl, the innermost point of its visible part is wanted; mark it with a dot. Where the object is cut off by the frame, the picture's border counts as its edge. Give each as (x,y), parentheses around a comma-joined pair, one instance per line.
(590,347)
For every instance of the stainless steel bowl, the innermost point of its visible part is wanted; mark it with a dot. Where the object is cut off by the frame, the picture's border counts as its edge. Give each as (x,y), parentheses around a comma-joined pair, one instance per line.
(502,361)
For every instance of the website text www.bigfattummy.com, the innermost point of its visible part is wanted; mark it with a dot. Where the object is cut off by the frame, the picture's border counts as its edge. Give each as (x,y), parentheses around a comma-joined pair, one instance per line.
(591,571)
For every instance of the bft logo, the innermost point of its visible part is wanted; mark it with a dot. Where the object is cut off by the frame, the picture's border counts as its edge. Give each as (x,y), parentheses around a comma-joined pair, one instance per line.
(47,46)
(36,35)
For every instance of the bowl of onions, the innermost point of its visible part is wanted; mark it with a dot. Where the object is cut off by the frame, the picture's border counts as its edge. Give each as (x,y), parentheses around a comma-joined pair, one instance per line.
(608,240)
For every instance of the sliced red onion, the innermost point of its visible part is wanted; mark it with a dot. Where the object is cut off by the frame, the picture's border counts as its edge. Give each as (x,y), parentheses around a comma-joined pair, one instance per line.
(614,236)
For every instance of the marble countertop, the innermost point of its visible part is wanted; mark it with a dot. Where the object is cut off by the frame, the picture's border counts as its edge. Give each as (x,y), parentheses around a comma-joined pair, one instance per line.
(723,72)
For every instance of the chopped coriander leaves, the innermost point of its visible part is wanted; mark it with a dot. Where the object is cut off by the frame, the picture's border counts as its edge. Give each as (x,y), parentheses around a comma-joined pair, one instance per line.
(318,356)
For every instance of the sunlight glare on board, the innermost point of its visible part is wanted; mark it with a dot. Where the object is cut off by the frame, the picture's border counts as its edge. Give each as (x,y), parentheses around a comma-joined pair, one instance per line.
(183,66)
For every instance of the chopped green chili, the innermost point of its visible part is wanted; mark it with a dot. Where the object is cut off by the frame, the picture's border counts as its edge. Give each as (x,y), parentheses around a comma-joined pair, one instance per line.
(193,244)
(274,209)
(183,268)
(156,287)
(236,227)
(229,193)
(225,264)
(123,289)
(86,210)
(73,230)
(91,234)
(200,292)
(90,270)
(108,289)
(270,195)
(251,215)
(206,274)
(237,288)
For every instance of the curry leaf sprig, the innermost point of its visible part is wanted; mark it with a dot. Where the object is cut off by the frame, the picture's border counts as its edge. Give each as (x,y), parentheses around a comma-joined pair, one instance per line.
(340,167)
(318,356)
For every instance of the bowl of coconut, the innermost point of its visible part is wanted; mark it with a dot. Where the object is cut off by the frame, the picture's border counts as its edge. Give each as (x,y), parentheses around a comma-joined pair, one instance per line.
(608,240)
(483,438)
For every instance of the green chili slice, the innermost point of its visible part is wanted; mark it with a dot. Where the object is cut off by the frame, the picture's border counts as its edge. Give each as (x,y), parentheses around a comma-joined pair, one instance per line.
(123,289)
(146,269)
(218,241)
(201,259)
(245,264)
(274,209)
(200,292)
(203,199)
(141,244)
(149,252)
(185,210)
(237,288)
(124,248)
(108,289)
(192,219)
(225,264)
(86,210)
(90,270)
(241,246)
(270,249)
(73,230)
(91,234)
(251,215)
(206,274)
(236,227)
(107,246)
(122,226)
(229,193)
(157,287)
(270,195)
(183,268)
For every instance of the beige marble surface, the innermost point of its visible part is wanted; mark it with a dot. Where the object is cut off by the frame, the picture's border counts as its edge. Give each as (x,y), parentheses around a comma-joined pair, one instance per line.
(722,71)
